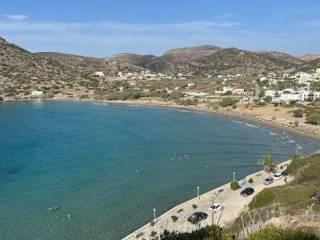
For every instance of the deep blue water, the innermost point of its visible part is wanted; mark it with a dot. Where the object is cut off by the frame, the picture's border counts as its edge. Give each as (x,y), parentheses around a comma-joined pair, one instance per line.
(108,166)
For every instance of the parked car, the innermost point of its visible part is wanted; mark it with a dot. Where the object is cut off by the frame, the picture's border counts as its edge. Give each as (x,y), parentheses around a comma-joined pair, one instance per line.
(285,173)
(247,191)
(268,181)
(277,176)
(216,207)
(196,217)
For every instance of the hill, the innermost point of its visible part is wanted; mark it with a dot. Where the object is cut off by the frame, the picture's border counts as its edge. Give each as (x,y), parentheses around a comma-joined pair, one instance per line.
(22,71)
(309,57)
(309,66)
(71,59)
(237,61)
(181,55)
(210,60)
(284,57)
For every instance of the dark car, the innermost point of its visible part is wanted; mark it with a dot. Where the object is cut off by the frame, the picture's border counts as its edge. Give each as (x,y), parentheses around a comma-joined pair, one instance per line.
(285,173)
(247,191)
(197,217)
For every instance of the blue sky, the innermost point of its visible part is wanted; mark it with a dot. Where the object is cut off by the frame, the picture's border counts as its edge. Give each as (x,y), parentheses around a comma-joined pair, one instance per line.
(102,28)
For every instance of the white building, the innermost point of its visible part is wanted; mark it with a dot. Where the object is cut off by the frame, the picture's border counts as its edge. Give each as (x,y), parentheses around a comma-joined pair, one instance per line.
(196,94)
(316,95)
(303,78)
(238,91)
(99,74)
(270,93)
(227,89)
(289,96)
(36,93)
(191,85)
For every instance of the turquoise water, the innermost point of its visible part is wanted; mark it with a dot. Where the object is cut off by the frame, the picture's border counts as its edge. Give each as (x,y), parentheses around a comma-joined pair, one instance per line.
(108,166)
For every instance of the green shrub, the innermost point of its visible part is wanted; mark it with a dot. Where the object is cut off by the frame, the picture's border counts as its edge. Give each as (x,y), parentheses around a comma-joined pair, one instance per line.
(298,113)
(194,206)
(296,163)
(227,102)
(273,233)
(313,117)
(186,102)
(153,234)
(174,218)
(234,185)
(250,180)
(209,232)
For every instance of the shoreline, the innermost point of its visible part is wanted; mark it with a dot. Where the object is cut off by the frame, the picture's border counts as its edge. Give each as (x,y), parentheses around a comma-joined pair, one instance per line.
(233,205)
(225,113)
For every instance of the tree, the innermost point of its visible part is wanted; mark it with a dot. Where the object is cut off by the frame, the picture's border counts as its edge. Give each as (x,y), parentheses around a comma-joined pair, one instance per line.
(234,185)
(268,163)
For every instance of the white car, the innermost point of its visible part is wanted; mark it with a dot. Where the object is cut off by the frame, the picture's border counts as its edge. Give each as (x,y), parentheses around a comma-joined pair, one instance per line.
(268,181)
(216,207)
(277,176)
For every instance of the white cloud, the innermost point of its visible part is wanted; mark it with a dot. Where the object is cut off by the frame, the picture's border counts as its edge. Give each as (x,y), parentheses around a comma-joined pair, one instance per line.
(111,26)
(16,17)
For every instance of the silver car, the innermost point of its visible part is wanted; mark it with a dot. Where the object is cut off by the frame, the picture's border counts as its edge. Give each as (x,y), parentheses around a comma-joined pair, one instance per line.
(268,181)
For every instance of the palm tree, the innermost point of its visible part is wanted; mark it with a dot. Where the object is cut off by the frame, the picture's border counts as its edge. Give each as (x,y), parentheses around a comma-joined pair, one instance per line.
(268,163)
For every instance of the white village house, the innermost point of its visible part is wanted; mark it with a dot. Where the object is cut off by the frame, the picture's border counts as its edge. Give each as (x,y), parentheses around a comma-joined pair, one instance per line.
(99,74)
(36,93)
(303,78)
(238,91)
(197,94)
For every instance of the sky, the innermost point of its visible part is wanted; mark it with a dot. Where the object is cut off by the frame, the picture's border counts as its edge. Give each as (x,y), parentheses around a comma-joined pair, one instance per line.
(102,28)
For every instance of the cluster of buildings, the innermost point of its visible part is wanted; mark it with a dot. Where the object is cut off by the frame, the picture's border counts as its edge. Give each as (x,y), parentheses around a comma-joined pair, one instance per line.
(299,77)
(229,77)
(144,75)
(231,90)
(291,95)
(303,93)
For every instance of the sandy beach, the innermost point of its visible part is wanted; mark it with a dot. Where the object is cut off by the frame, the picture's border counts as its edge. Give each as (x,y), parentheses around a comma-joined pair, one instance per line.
(232,206)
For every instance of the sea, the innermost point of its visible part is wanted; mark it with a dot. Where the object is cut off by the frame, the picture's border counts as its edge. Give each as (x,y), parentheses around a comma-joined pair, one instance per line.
(83,170)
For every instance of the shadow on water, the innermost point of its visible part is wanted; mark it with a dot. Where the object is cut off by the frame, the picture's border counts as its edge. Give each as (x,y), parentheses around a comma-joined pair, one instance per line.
(11,171)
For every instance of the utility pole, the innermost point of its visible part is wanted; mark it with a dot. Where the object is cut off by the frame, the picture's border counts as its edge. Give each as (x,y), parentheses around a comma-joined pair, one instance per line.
(154,215)
(198,192)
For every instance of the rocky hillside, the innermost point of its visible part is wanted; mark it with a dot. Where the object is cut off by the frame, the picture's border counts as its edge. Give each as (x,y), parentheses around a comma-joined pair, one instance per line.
(211,60)
(22,71)
(181,55)
(284,57)
(309,57)
(309,66)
